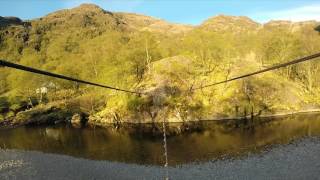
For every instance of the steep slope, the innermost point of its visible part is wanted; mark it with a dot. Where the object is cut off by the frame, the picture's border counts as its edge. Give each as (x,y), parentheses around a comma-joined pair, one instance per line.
(71,26)
(83,16)
(169,85)
(65,27)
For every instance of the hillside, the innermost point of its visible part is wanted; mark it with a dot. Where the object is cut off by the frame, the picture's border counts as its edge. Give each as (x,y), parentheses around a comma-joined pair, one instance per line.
(237,24)
(164,60)
(146,23)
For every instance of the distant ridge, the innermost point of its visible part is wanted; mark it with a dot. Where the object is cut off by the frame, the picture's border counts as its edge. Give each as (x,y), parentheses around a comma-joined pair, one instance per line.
(7,21)
(93,15)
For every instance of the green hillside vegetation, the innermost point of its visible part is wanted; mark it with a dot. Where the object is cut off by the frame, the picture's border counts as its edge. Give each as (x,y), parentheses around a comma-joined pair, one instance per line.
(161,59)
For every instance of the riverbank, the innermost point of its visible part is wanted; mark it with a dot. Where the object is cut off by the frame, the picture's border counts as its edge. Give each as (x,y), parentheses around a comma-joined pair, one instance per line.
(298,160)
(51,115)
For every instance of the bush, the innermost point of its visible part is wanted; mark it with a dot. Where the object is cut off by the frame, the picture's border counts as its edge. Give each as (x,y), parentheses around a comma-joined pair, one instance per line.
(90,103)
(4,104)
(1,117)
(10,114)
(134,103)
(17,103)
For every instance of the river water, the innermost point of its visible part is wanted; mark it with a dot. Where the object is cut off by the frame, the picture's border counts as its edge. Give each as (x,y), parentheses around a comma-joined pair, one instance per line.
(217,140)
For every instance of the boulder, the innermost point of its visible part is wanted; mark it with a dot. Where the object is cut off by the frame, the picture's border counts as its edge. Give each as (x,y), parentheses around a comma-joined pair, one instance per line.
(77,121)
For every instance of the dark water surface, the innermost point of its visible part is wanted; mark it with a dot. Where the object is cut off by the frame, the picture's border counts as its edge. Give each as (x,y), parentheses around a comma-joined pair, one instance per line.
(215,141)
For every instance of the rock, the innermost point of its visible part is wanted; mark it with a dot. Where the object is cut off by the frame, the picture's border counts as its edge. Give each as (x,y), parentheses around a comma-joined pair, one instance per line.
(47,115)
(77,121)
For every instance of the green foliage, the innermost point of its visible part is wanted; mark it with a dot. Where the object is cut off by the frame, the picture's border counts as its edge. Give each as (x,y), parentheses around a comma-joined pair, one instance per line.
(9,106)
(17,103)
(4,104)
(135,103)
(317,28)
(3,80)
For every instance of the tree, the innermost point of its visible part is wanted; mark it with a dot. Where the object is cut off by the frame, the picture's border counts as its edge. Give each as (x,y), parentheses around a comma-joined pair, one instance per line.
(277,47)
(3,80)
(310,41)
(317,28)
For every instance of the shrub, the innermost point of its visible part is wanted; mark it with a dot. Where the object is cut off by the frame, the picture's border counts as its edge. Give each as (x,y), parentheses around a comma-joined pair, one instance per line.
(4,104)
(135,103)
(17,103)
(1,117)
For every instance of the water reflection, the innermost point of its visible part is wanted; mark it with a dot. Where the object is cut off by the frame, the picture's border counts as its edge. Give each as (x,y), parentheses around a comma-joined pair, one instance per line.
(216,140)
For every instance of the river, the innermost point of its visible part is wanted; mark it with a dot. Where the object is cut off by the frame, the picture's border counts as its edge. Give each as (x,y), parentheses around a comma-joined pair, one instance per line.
(218,143)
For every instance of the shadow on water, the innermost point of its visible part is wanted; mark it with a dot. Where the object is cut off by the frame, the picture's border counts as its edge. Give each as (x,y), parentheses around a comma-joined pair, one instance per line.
(216,140)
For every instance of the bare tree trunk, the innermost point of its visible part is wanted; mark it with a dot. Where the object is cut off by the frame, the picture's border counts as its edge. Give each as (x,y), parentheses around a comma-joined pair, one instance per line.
(40,101)
(91,103)
(94,65)
(227,75)
(310,83)
(30,102)
(148,58)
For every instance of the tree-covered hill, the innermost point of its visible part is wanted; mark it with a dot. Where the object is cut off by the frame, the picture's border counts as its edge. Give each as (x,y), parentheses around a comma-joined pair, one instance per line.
(164,60)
